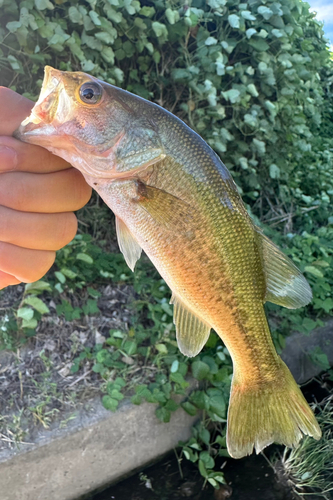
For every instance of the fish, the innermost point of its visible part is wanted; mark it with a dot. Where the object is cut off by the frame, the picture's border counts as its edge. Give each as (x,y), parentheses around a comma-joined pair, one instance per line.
(174,198)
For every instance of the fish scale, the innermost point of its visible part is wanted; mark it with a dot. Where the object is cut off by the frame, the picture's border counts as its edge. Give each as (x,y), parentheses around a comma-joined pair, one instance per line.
(175,199)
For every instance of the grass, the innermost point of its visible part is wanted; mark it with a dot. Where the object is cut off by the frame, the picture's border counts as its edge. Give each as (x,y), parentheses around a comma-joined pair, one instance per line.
(308,469)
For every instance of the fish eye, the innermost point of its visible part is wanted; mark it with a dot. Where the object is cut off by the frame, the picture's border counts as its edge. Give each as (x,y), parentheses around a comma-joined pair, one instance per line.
(90,92)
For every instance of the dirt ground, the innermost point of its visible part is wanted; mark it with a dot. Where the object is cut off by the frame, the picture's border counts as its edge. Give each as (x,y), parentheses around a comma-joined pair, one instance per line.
(37,386)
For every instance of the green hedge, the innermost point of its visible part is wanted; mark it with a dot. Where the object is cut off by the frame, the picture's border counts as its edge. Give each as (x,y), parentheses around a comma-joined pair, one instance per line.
(251,78)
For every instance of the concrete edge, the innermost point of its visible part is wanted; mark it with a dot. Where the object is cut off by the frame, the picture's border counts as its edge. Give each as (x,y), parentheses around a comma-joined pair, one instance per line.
(97,449)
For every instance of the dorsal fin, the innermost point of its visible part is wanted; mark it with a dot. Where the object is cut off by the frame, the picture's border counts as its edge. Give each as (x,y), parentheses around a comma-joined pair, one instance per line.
(285,284)
(192,332)
(128,245)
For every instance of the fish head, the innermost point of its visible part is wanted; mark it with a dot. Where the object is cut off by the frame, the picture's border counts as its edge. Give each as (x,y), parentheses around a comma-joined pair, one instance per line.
(96,127)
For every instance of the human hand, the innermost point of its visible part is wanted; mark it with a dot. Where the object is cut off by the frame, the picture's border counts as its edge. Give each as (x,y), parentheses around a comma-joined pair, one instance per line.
(38,194)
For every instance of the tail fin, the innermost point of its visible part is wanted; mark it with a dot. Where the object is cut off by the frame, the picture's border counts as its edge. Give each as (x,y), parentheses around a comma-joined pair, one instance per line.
(275,413)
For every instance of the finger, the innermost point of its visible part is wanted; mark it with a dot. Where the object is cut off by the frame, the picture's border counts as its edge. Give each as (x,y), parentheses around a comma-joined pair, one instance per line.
(63,191)
(17,155)
(24,264)
(35,230)
(7,279)
(15,108)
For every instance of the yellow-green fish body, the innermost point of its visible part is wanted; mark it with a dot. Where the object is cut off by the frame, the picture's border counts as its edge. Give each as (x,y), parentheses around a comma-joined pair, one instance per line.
(174,198)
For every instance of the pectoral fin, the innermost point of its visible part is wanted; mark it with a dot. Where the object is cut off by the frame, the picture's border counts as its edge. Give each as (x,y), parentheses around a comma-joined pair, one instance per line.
(164,208)
(128,245)
(285,284)
(192,332)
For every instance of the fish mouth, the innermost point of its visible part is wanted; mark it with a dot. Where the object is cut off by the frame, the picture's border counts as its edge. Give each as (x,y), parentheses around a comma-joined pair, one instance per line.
(50,111)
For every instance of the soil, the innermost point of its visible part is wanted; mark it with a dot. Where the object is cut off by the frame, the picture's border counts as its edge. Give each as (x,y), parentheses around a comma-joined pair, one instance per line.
(251,478)
(37,386)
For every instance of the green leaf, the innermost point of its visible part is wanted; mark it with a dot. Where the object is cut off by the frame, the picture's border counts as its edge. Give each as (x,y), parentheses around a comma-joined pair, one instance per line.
(210,41)
(174,366)
(25,313)
(172,16)
(252,89)
(75,15)
(115,394)
(130,347)
(162,348)
(163,414)
(199,370)
(171,405)
(207,459)
(15,63)
(85,258)
(202,469)
(265,12)
(136,399)
(246,14)
(147,11)
(259,146)
(218,405)
(91,307)
(250,32)
(189,408)
(31,323)
(113,15)
(37,287)
(233,20)
(231,95)
(44,4)
(95,18)
(37,304)
(212,481)
(60,277)
(110,403)
(277,33)
(160,30)
(205,435)
(68,273)
(181,74)
(314,271)
(274,171)
(327,305)
(259,44)
(179,379)
(108,55)
(13,26)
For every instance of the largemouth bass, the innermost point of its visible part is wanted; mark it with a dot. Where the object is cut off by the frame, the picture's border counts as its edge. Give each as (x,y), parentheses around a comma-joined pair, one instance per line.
(174,198)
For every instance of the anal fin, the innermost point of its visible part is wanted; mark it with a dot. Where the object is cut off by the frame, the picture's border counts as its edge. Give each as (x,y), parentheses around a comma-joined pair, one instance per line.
(192,332)
(128,245)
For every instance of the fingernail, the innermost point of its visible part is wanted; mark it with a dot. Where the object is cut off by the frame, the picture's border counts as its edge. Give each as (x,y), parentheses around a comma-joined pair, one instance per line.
(8,158)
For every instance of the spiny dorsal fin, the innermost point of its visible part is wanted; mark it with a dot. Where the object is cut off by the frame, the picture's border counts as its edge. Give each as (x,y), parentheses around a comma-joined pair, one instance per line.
(285,284)
(164,208)
(192,332)
(128,245)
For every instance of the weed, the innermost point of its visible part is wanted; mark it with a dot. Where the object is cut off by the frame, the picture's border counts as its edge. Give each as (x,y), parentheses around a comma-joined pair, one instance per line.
(308,468)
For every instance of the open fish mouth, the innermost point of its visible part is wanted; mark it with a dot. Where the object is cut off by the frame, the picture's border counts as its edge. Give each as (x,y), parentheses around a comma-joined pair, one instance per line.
(50,111)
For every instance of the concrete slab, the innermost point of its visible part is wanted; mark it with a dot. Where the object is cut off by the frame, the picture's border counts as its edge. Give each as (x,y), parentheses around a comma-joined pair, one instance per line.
(95,450)
(297,353)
